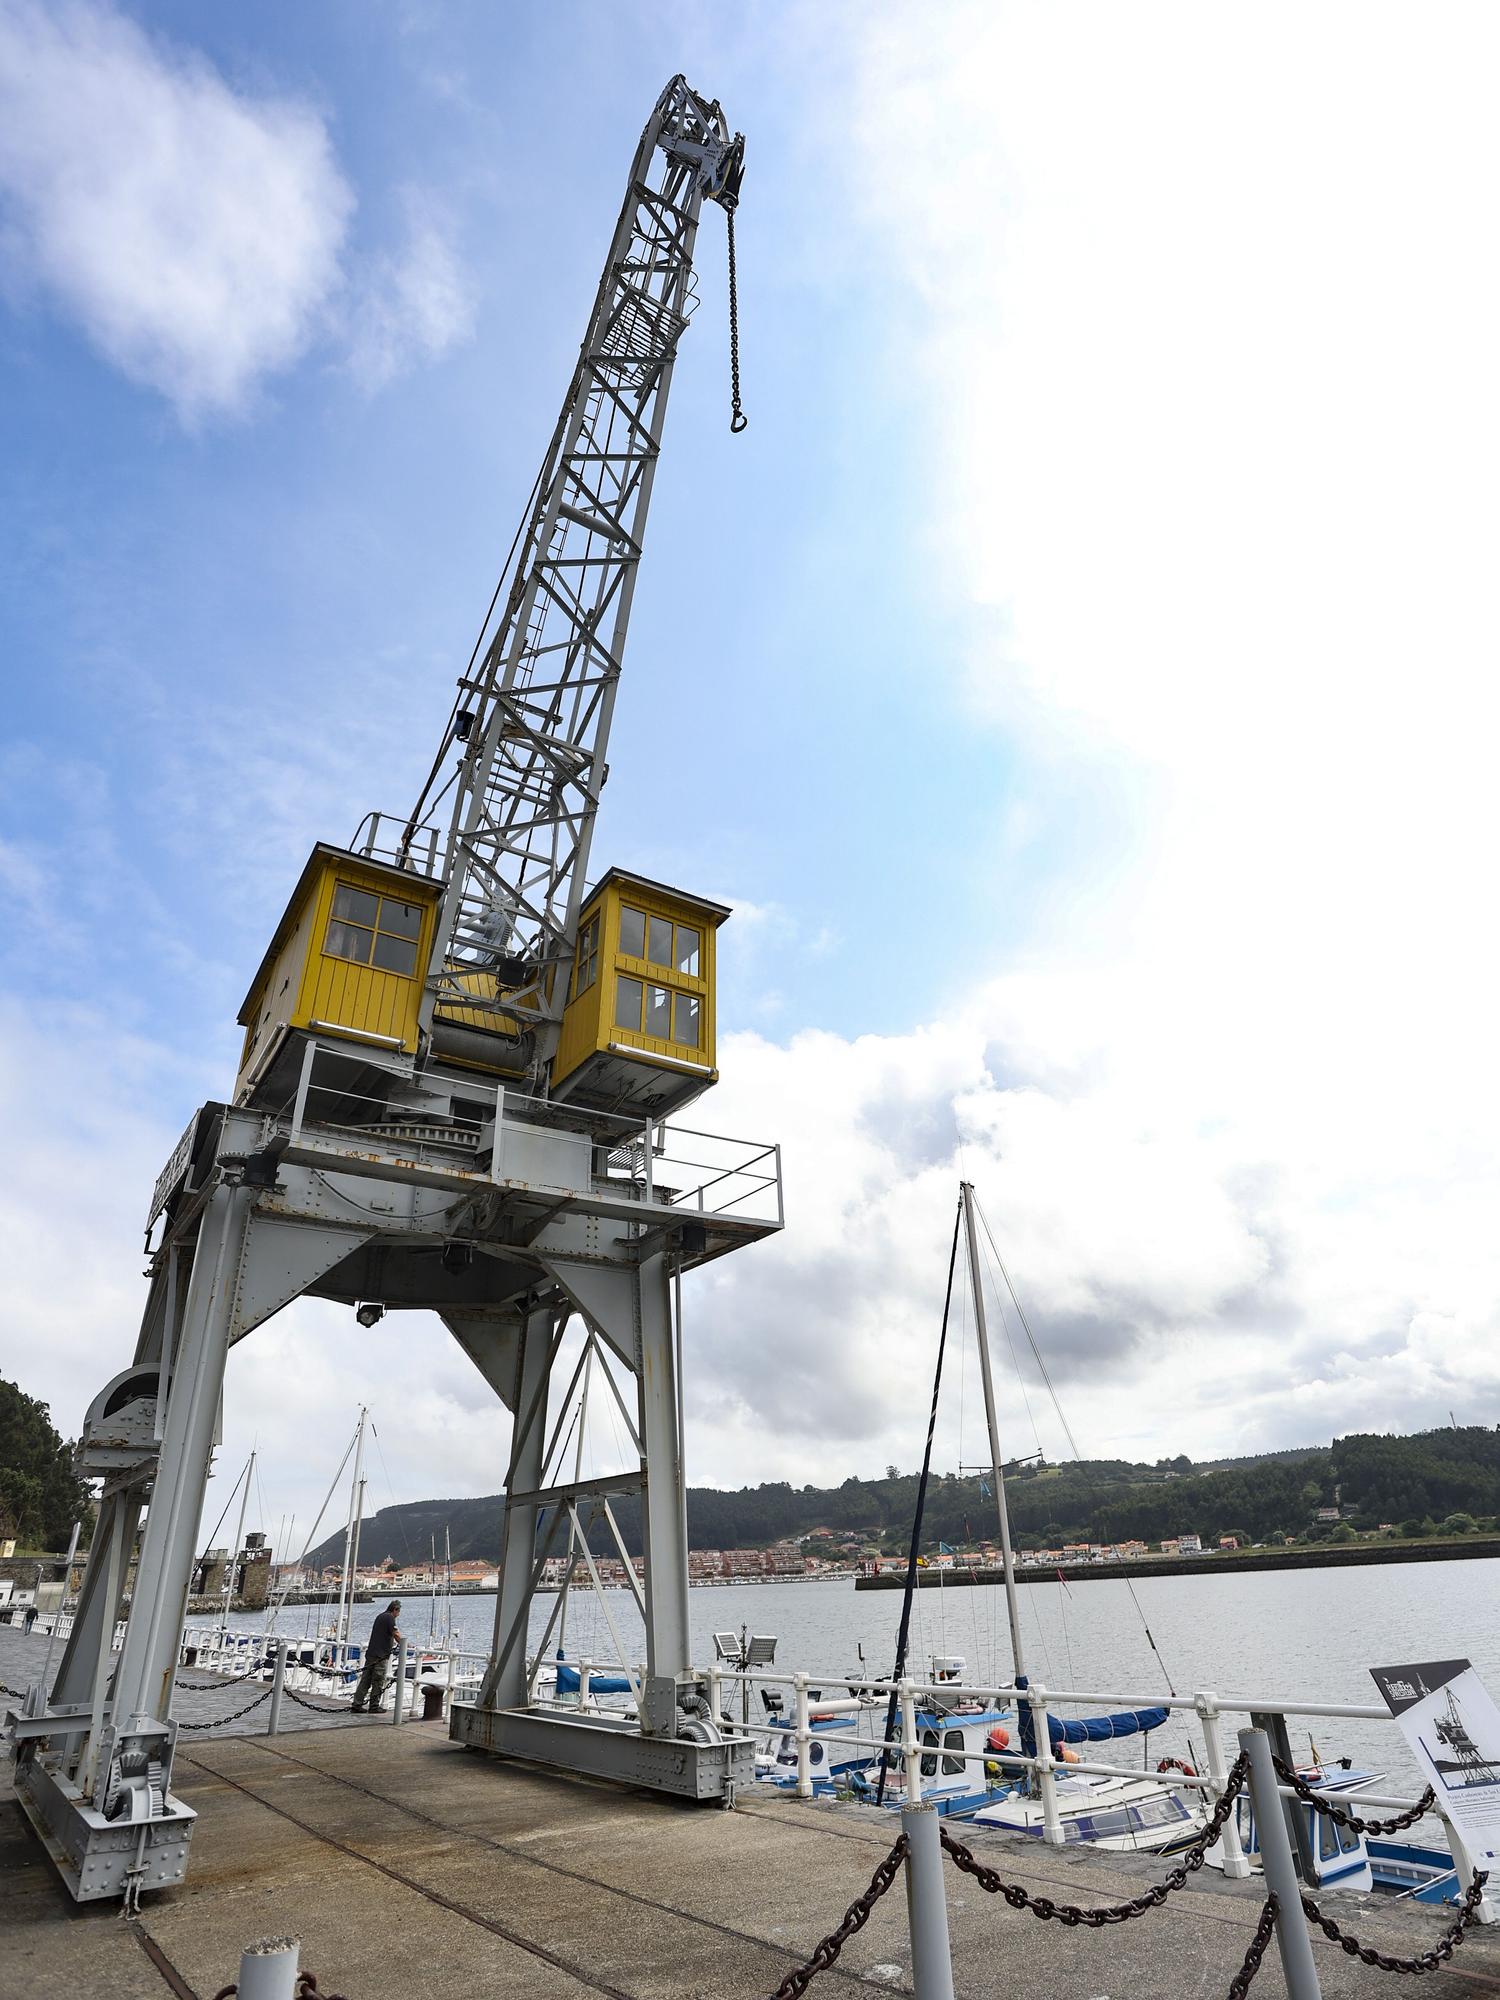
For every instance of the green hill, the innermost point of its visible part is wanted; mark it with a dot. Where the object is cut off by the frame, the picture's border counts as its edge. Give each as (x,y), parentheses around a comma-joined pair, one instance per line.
(1416,1480)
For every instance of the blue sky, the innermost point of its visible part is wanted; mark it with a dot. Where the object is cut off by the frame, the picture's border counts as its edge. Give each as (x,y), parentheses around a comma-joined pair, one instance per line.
(1077,676)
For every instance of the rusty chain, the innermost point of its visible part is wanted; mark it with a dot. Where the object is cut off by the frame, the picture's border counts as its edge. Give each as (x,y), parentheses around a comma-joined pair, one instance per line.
(855,1918)
(1329,1810)
(1424,1961)
(1255,1951)
(1107,1913)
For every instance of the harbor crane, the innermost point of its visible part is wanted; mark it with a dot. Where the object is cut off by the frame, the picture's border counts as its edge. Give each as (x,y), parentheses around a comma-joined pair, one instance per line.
(461,1060)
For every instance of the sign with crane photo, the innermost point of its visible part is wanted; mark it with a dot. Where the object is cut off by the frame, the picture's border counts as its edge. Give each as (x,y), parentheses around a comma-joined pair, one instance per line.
(1452,1724)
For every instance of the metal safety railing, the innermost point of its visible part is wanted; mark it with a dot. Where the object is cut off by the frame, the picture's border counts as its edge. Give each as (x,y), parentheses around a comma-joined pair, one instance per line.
(513,1139)
(1285,1913)
(905,1748)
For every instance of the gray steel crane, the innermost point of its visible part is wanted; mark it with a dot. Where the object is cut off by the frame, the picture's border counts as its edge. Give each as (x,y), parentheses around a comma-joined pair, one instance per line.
(376,1152)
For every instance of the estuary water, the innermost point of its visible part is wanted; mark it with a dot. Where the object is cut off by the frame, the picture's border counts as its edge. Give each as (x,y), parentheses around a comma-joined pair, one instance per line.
(1311,1635)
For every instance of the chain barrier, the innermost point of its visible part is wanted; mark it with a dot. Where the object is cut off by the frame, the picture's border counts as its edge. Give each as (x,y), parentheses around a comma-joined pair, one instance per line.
(1255,1951)
(215,1721)
(1424,1961)
(1329,1810)
(1107,1913)
(6,1688)
(326,1706)
(307,1988)
(738,419)
(856,1917)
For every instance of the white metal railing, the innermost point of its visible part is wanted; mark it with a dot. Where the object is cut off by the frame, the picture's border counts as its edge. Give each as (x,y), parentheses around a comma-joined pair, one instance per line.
(318,1665)
(906,1748)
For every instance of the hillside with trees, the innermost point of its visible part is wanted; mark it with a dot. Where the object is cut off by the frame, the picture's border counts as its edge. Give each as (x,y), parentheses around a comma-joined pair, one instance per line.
(1435,1482)
(40,1496)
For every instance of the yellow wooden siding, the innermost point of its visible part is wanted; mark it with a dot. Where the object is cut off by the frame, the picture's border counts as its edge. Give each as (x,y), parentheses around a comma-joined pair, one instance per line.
(274,1003)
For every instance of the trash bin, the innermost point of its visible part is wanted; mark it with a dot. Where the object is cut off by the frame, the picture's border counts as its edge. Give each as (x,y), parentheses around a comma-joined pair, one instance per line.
(432,1702)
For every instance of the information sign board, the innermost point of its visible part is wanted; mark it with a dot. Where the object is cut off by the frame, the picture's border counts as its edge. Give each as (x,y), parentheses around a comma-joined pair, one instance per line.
(1453,1727)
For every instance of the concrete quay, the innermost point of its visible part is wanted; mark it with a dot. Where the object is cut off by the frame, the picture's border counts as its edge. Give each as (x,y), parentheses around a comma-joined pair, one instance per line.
(409,1865)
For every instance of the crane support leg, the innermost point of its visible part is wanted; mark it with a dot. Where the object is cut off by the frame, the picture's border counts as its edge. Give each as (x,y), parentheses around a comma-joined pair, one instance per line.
(668,1744)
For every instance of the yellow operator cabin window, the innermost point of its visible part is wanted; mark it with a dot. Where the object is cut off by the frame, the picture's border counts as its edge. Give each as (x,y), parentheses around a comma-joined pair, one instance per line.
(374,930)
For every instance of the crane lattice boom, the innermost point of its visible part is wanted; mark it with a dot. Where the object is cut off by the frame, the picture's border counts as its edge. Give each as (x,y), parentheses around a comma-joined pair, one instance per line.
(533,712)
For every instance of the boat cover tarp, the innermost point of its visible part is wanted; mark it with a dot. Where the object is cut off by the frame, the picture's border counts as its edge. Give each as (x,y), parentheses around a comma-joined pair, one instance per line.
(1092,1729)
(569,1679)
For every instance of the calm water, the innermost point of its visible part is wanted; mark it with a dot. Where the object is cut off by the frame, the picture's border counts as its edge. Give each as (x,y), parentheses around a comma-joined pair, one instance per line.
(1309,1634)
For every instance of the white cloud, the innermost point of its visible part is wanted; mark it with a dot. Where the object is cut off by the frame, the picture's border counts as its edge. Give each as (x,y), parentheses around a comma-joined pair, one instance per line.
(196,232)
(413,302)
(192,230)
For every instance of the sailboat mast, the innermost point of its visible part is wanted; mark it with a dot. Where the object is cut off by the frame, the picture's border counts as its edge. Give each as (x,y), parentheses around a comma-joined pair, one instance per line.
(981,1326)
(231,1566)
(346,1581)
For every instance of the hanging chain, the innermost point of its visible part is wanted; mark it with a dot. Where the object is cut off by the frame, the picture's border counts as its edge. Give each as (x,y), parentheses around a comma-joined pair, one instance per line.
(738,419)
(1424,1961)
(1107,1913)
(856,1917)
(1239,1986)
(233,1716)
(1326,1807)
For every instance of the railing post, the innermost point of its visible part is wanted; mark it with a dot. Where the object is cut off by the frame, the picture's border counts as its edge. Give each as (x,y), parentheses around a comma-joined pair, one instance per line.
(399,1698)
(803,1736)
(1052,1831)
(278,1681)
(448,1690)
(926,1905)
(1292,1939)
(715,1692)
(1236,1861)
(585,1669)
(299,1103)
(268,1969)
(911,1748)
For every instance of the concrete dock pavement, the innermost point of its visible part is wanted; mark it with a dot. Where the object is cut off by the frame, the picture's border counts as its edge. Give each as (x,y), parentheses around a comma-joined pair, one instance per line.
(409,1865)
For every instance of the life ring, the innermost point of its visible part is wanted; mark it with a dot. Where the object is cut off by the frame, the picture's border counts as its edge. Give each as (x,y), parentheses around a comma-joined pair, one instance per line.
(1176,1764)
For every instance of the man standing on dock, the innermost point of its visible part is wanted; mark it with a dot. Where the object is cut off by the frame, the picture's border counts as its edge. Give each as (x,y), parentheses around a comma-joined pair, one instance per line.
(385,1637)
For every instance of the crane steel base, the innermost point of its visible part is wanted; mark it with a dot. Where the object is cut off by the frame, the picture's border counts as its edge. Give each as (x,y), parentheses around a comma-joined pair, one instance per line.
(600,1746)
(99,1857)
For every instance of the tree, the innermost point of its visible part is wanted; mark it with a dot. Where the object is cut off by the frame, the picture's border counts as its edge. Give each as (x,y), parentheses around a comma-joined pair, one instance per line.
(40,1494)
(1459,1524)
(1343,1533)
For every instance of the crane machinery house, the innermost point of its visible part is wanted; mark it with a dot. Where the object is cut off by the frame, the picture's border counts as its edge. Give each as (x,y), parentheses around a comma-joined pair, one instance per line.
(348,962)
(461,1053)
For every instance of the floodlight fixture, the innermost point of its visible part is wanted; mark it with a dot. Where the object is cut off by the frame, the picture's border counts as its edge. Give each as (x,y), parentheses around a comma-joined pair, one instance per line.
(727,1647)
(762,1650)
